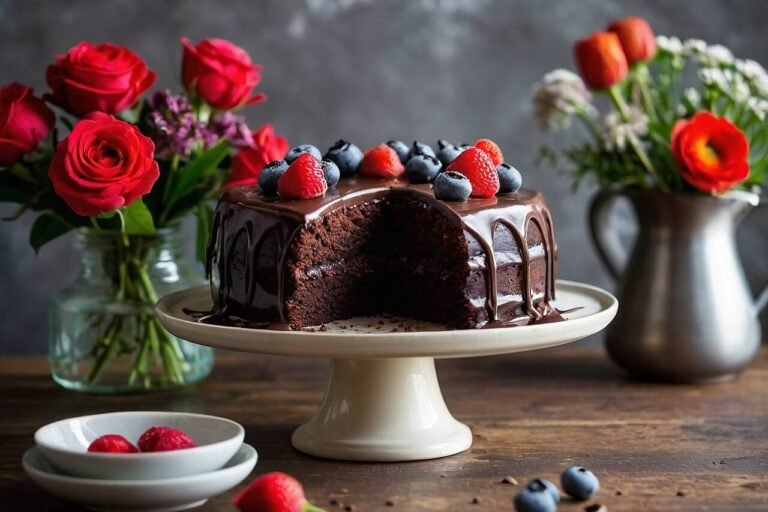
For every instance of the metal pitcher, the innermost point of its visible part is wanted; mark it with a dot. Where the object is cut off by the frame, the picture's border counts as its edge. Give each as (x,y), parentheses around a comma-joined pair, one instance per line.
(686,312)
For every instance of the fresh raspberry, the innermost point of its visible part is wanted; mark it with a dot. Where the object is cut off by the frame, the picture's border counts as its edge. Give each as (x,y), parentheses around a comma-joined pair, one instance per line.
(164,439)
(492,150)
(303,180)
(475,164)
(274,492)
(112,443)
(381,162)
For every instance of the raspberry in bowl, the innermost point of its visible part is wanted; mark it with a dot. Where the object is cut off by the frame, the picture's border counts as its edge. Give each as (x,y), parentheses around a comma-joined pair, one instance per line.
(139,445)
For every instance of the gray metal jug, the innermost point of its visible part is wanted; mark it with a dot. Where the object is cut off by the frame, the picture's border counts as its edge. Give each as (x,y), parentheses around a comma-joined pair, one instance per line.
(686,312)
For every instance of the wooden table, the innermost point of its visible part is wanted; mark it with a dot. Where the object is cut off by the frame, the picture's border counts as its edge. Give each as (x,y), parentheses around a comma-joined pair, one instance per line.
(654,447)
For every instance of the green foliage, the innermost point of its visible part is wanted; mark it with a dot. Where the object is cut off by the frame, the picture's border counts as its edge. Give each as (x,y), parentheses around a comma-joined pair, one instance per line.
(137,220)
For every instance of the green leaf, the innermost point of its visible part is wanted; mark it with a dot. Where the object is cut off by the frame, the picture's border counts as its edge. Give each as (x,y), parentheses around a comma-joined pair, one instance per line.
(45,228)
(192,174)
(204,214)
(137,219)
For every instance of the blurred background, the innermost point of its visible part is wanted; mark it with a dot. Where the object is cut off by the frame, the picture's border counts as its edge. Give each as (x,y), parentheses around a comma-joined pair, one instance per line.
(367,71)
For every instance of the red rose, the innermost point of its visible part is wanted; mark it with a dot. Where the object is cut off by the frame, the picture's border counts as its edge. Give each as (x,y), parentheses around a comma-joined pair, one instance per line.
(106,78)
(636,38)
(711,151)
(102,165)
(249,161)
(220,73)
(601,60)
(24,122)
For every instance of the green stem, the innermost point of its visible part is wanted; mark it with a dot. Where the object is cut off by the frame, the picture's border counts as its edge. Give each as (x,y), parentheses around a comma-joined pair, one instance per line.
(642,81)
(109,350)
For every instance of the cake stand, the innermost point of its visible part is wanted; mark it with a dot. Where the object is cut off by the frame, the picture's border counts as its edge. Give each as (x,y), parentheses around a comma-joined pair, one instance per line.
(383,401)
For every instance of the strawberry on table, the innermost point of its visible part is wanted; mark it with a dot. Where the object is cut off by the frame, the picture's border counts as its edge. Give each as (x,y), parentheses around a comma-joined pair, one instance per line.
(475,164)
(274,492)
(112,443)
(304,179)
(381,162)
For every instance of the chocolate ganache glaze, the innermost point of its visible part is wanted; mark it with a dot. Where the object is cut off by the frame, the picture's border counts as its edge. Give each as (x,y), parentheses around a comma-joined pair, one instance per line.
(250,246)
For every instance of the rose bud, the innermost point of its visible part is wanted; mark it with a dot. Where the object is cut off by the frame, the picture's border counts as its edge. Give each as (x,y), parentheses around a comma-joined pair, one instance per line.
(24,122)
(249,161)
(711,152)
(636,38)
(102,165)
(601,60)
(220,73)
(105,78)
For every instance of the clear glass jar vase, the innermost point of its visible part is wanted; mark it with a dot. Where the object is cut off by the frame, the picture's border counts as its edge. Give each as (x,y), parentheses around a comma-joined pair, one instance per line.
(104,335)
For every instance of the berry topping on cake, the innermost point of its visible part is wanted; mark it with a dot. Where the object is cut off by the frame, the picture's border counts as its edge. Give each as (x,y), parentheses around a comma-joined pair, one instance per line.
(164,439)
(112,443)
(422,168)
(330,172)
(304,179)
(478,168)
(274,492)
(420,147)
(452,186)
(270,174)
(294,153)
(401,148)
(381,162)
(447,152)
(491,149)
(346,156)
(510,179)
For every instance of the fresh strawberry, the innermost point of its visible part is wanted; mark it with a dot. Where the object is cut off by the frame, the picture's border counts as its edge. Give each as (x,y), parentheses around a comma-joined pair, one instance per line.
(381,162)
(274,492)
(164,439)
(303,179)
(492,150)
(112,443)
(475,164)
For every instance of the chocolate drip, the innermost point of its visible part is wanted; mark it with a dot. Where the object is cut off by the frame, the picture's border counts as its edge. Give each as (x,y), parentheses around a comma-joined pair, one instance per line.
(269,226)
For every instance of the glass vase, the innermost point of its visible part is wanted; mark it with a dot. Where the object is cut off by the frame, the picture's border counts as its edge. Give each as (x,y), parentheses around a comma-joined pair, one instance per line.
(104,335)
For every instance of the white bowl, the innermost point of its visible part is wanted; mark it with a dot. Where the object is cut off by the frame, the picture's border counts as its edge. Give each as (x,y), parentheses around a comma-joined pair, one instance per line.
(164,495)
(65,445)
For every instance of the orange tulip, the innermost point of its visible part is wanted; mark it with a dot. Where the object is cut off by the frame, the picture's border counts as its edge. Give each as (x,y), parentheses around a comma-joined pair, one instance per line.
(636,38)
(601,60)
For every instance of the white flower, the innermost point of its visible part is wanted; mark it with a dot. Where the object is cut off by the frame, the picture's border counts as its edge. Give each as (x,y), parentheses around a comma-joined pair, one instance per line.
(750,68)
(616,132)
(758,106)
(715,77)
(671,44)
(694,46)
(715,55)
(739,89)
(558,97)
(692,96)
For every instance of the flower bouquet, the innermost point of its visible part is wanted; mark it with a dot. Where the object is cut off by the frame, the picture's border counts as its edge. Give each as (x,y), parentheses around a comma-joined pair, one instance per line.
(91,155)
(685,140)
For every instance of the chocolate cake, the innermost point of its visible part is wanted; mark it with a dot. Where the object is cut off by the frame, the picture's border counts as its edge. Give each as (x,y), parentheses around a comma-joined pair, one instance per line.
(374,245)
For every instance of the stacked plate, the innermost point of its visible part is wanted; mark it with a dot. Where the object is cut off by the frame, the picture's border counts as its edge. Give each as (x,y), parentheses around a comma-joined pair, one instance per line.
(157,481)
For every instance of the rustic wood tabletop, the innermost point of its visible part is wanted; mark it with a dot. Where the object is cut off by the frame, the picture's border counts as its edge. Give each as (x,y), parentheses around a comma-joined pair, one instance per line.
(653,446)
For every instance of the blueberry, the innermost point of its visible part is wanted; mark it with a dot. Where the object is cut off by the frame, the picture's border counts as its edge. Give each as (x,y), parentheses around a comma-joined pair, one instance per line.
(420,147)
(535,498)
(452,186)
(294,153)
(330,172)
(422,168)
(270,174)
(346,156)
(447,152)
(401,148)
(579,482)
(551,488)
(510,179)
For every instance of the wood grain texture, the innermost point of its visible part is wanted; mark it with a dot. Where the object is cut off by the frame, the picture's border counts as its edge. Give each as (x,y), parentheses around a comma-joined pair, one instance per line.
(654,447)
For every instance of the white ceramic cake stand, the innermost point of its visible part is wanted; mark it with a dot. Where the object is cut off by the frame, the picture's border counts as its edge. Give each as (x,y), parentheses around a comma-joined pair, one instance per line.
(383,401)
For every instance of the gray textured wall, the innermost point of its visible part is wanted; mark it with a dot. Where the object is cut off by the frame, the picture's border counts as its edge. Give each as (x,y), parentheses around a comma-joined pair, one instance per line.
(360,69)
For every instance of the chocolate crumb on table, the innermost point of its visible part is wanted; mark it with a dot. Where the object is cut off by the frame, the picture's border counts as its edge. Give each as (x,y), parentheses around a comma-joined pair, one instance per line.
(681,493)
(509,480)
(389,503)
(596,507)
(475,501)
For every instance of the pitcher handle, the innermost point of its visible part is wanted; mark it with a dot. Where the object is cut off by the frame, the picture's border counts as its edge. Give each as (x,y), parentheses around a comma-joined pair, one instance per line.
(606,239)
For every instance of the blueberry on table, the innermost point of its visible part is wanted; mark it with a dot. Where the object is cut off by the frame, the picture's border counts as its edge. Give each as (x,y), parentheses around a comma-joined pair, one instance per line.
(294,153)
(401,148)
(447,152)
(331,172)
(579,482)
(422,168)
(452,186)
(510,179)
(270,174)
(535,498)
(346,156)
(420,147)
(551,488)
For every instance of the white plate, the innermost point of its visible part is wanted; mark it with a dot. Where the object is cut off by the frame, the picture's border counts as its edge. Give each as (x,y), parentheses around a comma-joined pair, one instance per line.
(362,339)
(65,445)
(164,495)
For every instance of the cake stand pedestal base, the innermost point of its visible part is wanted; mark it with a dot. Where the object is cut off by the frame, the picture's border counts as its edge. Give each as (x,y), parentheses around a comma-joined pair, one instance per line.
(383,410)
